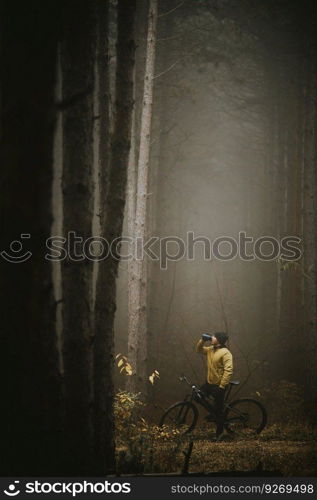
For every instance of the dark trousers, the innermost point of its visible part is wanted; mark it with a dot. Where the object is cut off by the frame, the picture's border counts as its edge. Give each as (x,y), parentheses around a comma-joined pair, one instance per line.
(218,395)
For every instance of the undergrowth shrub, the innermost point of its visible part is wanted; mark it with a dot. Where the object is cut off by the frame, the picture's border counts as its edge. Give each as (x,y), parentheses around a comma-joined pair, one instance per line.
(140,446)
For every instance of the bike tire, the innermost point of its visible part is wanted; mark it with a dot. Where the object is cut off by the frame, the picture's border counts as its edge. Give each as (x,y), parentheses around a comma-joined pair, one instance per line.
(176,415)
(238,415)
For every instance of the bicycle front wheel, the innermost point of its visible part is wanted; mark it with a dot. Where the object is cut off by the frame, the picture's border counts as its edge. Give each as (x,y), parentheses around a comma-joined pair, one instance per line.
(246,417)
(181,417)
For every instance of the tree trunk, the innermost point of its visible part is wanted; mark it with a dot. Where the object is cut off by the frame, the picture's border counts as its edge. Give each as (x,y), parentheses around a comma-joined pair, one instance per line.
(101,415)
(112,200)
(30,428)
(309,229)
(57,209)
(137,280)
(131,203)
(77,58)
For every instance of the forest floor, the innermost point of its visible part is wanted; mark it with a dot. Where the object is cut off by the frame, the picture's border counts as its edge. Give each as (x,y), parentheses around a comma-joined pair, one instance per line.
(278,451)
(282,450)
(285,447)
(286,458)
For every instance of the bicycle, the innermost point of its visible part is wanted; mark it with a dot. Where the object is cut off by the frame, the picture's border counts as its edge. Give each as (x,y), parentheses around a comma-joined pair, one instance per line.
(245,416)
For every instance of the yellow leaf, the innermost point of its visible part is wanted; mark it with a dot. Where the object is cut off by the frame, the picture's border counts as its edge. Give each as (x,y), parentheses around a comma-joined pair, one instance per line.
(151,379)
(120,363)
(118,355)
(156,373)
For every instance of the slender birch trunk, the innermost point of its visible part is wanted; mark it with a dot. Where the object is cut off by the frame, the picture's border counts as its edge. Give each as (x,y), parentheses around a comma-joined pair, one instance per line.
(131,202)
(137,280)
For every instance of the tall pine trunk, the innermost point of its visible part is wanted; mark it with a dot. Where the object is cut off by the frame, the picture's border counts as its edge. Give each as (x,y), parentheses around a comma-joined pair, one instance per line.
(113,177)
(77,60)
(309,226)
(137,279)
(30,397)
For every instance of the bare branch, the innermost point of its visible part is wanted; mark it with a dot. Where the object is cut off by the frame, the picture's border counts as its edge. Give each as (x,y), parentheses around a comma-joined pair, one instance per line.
(172,10)
(167,70)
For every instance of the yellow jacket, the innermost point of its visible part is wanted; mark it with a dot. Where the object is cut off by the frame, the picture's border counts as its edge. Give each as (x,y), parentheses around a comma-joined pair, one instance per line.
(219,364)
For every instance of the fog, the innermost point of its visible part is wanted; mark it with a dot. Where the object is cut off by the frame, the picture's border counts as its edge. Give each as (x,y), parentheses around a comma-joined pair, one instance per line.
(215,171)
(159,182)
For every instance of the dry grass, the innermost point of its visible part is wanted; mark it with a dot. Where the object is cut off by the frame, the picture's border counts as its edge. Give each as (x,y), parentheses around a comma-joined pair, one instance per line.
(275,450)
(288,458)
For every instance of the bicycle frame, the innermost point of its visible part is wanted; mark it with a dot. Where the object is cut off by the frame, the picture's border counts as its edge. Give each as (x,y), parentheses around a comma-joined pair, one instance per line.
(197,396)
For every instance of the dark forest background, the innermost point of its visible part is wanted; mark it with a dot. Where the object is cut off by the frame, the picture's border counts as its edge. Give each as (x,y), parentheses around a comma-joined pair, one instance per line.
(151,118)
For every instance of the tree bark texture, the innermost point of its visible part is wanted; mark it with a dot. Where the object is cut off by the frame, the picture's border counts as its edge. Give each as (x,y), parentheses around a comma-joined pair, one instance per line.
(113,177)
(137,283)
(30,431)
(77,60)
(309,226)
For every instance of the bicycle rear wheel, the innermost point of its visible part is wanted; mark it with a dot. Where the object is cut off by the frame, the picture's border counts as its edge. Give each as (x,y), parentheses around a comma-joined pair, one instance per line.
(246,417)
(181,416)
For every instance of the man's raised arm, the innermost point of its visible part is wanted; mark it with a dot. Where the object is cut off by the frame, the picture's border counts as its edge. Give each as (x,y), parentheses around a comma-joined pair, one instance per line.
(200,347)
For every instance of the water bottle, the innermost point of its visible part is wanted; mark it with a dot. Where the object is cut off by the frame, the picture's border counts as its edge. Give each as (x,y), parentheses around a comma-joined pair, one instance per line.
(206,336)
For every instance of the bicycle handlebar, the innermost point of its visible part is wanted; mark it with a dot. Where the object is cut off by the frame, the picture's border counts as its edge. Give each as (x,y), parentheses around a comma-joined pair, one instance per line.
(182,378)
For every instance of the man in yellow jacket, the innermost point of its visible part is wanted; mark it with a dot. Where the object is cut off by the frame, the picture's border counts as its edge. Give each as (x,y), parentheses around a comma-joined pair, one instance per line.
(219,372)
